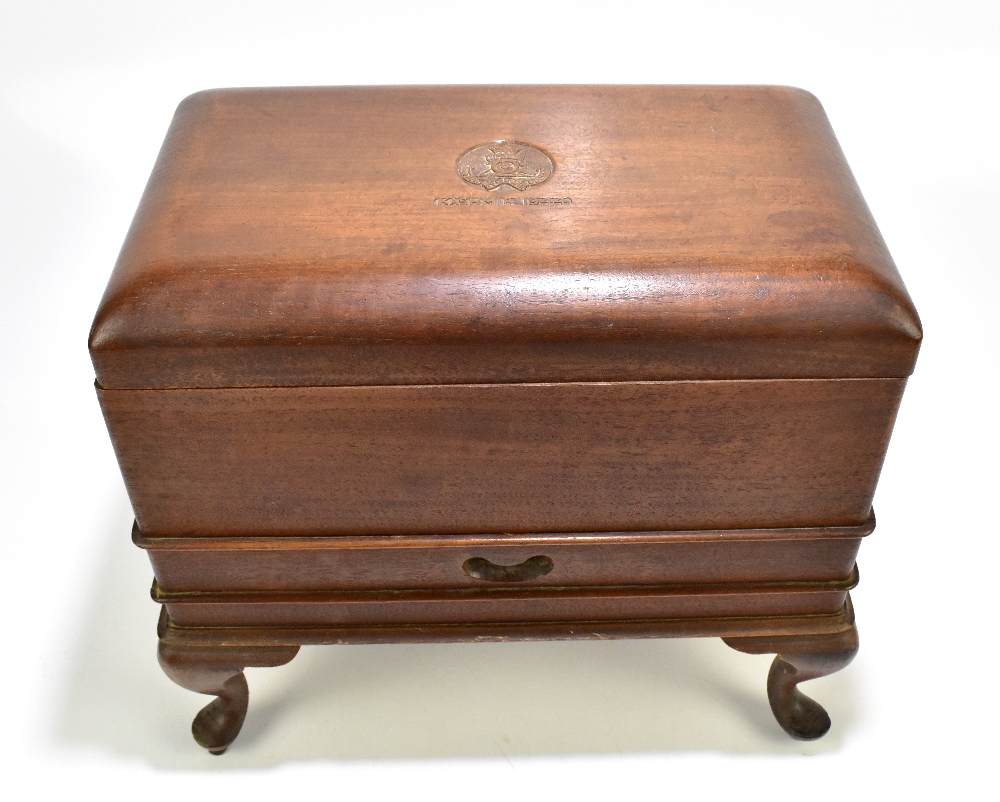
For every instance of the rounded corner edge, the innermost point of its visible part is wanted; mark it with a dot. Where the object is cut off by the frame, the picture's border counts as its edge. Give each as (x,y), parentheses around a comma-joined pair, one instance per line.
(889,302)
(199,101)
(797,93)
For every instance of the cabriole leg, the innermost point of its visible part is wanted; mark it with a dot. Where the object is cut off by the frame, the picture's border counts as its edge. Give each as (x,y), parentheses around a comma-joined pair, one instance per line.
(218,670)
(800,658)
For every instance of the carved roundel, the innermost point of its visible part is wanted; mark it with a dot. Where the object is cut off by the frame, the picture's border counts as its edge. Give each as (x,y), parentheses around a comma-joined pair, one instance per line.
(504,164)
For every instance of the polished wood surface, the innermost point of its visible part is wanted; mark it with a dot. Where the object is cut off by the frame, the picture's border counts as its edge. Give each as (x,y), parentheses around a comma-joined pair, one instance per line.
(211,660)
(398,567)
(502,458)
(480,606)
(800,658)
(735,627)
(217,670)
(290,237)
(284,563)
(634,377)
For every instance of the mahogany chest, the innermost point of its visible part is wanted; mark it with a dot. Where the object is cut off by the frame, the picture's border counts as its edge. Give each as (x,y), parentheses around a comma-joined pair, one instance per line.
(449,363)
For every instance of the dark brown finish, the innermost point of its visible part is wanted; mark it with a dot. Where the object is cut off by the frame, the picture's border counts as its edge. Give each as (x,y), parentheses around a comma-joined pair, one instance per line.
(503,458)
(501,605)
(735,627)
(218,670)
(800,658)
(211,660)
(632,377)
(714,232)
(603,562)
(374,562)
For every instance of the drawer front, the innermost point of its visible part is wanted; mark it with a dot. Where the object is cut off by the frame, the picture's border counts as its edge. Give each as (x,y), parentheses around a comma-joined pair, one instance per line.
(702,562)
(448,567)
(444,580)
(409,563)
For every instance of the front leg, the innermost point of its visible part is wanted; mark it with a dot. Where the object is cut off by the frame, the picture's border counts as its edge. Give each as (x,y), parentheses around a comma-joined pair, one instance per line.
(218,670)
(800,658)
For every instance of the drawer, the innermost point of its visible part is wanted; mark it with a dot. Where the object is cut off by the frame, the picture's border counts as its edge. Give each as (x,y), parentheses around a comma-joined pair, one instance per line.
(384,563)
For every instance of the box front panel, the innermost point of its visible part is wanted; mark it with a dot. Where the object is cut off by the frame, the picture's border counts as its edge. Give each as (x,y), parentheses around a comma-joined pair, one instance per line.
(438,459)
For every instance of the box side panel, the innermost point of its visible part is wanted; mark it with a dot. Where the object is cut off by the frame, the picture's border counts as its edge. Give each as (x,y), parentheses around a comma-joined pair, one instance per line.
(502,458)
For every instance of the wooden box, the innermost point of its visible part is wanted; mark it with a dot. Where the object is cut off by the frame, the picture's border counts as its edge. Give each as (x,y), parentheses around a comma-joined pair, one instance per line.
(445,363)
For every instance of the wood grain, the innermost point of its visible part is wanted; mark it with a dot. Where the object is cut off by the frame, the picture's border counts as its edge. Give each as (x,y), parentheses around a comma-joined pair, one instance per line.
(289,237)
(800,658)
(502,458)
(480,608)
(758,627)
(217,670)
(437,562)
(354,402)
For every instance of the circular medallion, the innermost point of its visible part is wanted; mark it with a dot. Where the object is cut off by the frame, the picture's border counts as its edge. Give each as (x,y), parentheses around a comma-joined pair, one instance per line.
(504,164)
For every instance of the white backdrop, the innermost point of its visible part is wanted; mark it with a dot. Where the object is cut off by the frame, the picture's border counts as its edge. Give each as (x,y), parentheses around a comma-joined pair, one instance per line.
(86,92)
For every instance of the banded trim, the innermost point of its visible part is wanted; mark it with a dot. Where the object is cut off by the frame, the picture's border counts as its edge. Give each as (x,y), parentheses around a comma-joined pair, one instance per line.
(279,542)
(735,626)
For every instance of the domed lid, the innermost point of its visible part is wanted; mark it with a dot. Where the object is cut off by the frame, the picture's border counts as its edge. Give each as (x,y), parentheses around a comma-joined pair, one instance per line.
(435,235)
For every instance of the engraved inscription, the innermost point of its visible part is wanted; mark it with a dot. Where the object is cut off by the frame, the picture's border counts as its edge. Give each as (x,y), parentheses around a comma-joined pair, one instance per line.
(503,201)
(504,164)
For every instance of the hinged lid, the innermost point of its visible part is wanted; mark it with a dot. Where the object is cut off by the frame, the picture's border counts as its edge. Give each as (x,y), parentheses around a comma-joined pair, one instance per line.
(411,235)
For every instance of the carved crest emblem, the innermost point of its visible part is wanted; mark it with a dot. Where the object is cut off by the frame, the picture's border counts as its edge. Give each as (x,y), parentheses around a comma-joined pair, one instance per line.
(504,163)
